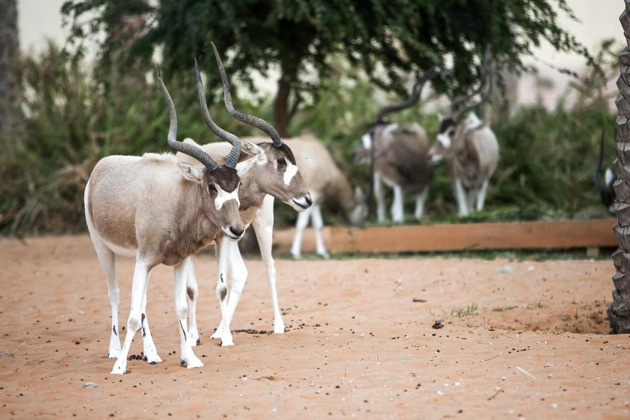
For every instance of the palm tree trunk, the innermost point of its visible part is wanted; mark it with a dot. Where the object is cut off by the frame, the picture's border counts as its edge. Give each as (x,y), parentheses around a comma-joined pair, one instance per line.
(619,310)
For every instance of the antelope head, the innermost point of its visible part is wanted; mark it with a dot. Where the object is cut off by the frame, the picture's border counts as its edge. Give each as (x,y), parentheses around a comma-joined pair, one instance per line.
(218,185)
(453,126)
(282,179)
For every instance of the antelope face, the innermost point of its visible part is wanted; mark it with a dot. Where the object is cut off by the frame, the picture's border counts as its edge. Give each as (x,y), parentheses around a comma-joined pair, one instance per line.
(284,180)
(443,146)
(221,202)
(363,149)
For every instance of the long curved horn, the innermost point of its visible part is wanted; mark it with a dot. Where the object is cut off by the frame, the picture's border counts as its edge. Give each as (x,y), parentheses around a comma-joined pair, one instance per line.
(235,153)
(413,98)
(185,148)
(247,119)
(487,74)
(481,101)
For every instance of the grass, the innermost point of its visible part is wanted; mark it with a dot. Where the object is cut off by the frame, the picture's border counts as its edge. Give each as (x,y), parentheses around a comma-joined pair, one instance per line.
(462,311)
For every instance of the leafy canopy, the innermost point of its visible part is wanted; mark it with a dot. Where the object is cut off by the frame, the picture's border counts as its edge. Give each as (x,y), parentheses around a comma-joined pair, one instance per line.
(387,39)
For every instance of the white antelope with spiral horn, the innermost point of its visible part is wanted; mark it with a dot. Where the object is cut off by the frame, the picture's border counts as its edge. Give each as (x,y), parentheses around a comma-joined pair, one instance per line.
(468,147)
(267,170)
(397,154)
(159,211)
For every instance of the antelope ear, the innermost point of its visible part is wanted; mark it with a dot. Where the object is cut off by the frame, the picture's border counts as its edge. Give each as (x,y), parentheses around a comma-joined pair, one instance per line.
(191,172)
(250,148)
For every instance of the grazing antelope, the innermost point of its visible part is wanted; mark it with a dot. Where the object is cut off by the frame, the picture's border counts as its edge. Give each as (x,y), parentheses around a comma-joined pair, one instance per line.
(468,147)
(270,171)
(397,154)
(327,184)
(159,211)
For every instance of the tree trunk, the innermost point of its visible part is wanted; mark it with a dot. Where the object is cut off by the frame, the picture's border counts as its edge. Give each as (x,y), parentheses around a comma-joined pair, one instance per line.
(9,48)
(619,310)
(281,108)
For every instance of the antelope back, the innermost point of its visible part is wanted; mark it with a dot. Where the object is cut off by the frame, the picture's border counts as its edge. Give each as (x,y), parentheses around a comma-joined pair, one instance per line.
(151,203)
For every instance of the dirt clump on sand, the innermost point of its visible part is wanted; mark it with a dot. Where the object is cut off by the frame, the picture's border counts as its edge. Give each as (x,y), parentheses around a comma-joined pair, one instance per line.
(515,339)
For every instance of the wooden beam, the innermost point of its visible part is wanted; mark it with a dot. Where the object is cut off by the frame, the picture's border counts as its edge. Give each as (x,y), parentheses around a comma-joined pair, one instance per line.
(459,237)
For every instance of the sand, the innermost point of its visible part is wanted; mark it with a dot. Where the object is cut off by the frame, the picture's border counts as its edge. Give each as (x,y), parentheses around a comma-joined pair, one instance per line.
(520,339)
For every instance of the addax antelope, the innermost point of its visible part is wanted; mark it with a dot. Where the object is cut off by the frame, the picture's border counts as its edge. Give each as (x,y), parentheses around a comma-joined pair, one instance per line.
(159,211)
(397,154)
(327,184)
(267,170)
(468,147)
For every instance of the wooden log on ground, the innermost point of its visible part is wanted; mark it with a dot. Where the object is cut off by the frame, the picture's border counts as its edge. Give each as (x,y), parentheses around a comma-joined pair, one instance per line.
(459,237)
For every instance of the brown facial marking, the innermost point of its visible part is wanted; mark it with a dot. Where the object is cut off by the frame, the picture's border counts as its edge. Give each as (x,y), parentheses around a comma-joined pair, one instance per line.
(227,178)
(445,124)
(288,152)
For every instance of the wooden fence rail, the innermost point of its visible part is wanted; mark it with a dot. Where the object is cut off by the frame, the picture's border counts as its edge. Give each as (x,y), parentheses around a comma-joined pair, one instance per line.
(589,234)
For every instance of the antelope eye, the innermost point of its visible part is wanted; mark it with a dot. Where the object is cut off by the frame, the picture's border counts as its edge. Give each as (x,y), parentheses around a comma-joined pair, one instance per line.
(282,162)
(212,188)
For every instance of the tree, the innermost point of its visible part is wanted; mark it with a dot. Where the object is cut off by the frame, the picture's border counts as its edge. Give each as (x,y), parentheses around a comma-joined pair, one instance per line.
(9,49)
(619,310)
(388,39)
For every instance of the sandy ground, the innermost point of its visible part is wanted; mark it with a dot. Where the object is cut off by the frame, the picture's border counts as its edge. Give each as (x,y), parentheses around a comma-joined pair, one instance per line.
(520,340)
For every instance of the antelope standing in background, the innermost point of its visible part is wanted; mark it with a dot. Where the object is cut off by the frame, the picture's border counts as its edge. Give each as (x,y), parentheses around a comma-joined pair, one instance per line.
(159,211)
(397,154)
(468,147)
(326,183)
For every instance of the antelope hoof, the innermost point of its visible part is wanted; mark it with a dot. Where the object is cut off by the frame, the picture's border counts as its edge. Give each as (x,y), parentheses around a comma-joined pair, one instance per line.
(218,333)
(227,341)
(120,367)
(192,362)
(278,327)
(151,355)
(153,360)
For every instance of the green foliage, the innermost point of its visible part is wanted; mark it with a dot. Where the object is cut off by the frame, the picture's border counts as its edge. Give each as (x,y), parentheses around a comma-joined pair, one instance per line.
(70,120)
(387,39)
